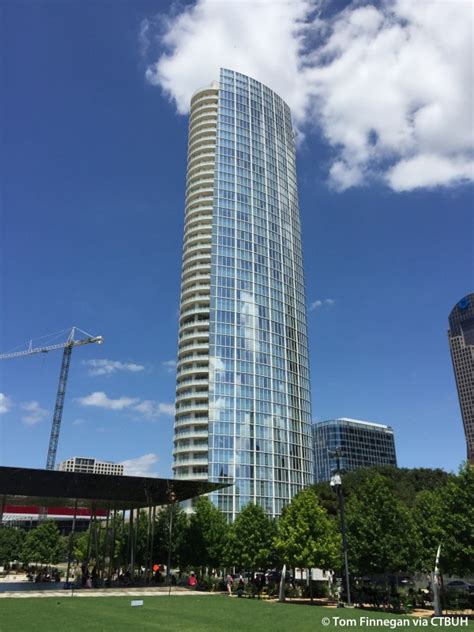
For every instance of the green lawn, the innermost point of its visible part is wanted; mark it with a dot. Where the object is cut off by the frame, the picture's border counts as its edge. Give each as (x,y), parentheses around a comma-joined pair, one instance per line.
(170,614)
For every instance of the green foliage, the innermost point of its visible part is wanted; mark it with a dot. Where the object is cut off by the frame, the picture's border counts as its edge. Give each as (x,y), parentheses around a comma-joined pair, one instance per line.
(207,535)
(80,546)
(307,537)
(91,543)
(427,514)
(395,521)
(404,483)
(94,543)
(457,523)
(141,538)
(440,506)
(44,545)
(327,498)
(121,554)
(457,600)
(446,517)
(250,540)
(178,535)
(381,534)
(11,543)
(211,584)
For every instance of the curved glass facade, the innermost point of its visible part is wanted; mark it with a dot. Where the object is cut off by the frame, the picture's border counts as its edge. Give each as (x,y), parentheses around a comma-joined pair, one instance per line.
(461,343)
(257,405)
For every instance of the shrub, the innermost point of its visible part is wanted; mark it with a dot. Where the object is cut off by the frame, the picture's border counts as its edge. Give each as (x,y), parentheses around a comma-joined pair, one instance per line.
(250,590)
(211,584)
(293,592)
(456,600)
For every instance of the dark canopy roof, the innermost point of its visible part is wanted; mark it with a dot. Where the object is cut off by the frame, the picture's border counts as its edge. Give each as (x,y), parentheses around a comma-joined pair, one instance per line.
(48,488)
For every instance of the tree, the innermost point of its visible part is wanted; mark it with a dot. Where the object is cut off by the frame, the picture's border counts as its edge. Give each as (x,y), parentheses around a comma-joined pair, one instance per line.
(11,543)
(446,517)
(307,537)
(161,537)
(80,546)
(140,528)
(250,540)
(405,484)
(427,514)
(90,545)
(44,544)
(207,535)
(380,530)
(457,523)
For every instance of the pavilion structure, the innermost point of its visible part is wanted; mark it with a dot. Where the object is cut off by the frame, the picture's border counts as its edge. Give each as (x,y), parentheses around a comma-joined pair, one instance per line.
(110,500)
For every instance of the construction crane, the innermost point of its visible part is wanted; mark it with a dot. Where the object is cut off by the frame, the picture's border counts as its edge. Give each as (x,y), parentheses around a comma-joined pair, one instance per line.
(68,346)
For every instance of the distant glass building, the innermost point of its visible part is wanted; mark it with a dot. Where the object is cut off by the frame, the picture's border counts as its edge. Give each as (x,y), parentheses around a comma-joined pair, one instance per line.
(461,343)
(243,411)
(362,443)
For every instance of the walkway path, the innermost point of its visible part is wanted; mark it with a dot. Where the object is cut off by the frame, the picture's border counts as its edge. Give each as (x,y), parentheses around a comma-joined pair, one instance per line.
(144,591)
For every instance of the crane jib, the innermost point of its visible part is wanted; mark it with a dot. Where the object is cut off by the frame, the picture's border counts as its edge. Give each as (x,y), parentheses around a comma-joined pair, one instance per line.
(68,346)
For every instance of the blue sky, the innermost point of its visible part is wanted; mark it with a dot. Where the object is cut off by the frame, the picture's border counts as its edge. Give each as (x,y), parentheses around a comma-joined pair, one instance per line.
(94,156)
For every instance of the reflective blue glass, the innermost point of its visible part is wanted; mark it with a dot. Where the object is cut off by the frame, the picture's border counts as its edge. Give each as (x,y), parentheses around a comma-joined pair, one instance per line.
(258,330)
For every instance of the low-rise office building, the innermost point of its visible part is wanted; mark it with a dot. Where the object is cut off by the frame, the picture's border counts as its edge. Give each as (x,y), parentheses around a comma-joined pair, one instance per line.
(85,465)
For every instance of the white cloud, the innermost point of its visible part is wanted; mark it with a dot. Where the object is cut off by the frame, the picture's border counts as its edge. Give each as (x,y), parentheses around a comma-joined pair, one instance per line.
(152,410)
(390,87)
(212,34)
(428,170)
(141,466)
(325,302)
(387,86)
(34,413)
(5,403)
(170,365)
(101,400)
(107,367)
(78,422)
(148,408)
(144,36)
(166,409)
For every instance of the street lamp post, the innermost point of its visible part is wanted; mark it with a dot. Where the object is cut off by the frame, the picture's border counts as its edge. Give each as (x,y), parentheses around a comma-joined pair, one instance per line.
(171,500)
(336,483)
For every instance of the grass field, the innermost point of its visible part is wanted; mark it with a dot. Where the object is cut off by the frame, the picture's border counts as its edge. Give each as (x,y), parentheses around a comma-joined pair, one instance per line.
(173,614)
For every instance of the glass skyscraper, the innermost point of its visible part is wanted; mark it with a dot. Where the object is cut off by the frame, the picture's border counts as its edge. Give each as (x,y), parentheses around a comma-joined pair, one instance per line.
(362,444)
(243,411)
(461,343)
